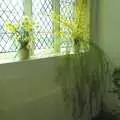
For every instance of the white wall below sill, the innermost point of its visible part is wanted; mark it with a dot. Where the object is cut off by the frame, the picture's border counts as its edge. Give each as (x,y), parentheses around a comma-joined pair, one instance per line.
(28,91)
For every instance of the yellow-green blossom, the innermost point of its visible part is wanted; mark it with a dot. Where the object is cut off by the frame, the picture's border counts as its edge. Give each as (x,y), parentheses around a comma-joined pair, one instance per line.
(10,27)
(23,30)
(78,27)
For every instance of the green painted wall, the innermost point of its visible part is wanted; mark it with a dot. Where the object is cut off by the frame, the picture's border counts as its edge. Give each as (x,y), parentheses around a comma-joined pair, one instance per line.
(109,38)
(28,91)
(109,28)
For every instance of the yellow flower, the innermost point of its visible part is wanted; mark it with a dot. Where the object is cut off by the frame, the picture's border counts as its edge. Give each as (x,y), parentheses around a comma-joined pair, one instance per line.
(23,30)
(28,24)
(60,34)
(17,36)
(10,27)
(26,38)
(30,27)
(25,19)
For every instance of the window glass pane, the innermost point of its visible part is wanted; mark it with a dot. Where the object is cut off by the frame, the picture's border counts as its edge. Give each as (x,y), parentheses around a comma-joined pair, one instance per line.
(10,10)
(41,10)
(67,9)
(78,16)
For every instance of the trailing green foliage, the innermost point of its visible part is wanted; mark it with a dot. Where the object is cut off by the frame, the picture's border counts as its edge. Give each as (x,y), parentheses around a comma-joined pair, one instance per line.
(116,89)
(77,28)
(22,31)
(82,71)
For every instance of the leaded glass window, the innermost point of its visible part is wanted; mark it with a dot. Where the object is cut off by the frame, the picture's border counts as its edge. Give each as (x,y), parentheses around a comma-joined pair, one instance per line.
(41,10)
(10,10)
(67,8)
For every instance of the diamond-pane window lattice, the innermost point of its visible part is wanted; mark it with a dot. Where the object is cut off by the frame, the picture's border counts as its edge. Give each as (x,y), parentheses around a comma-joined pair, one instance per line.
(41,10)
(67,10)
(10,10)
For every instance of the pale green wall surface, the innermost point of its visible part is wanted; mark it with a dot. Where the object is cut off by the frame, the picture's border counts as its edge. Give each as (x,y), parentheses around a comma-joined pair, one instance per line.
(109,39)
(109,28)
(28,91)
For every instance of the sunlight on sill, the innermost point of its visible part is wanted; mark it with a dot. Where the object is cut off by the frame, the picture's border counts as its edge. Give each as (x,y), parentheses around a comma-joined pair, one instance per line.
(38,54)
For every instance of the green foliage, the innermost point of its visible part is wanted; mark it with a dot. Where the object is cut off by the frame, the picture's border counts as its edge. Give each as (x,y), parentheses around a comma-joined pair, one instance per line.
(116,82)
(86,68)
(116,89)
(82,71)
(22,31)
(78,28)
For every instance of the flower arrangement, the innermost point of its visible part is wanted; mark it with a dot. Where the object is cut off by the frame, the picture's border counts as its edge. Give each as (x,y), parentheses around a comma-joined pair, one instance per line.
(78,27)
(23,32)
(86,69)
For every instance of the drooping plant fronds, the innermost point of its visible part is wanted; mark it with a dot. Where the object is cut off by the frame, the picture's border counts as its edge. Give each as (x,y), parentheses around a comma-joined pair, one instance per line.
(82,76)
(79,72)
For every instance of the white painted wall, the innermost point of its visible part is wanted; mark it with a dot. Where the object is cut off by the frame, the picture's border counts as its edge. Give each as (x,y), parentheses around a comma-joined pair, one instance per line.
(28,91)
(109,37)
(109,28)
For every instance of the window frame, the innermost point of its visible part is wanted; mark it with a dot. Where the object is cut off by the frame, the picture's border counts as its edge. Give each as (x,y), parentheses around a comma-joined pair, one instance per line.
(12,12)
(56,7)
(94,20)
(28,7)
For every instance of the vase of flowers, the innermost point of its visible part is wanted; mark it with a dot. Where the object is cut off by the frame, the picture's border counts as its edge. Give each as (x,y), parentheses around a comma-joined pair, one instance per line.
(24,51)
(23,33)
(77,28)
